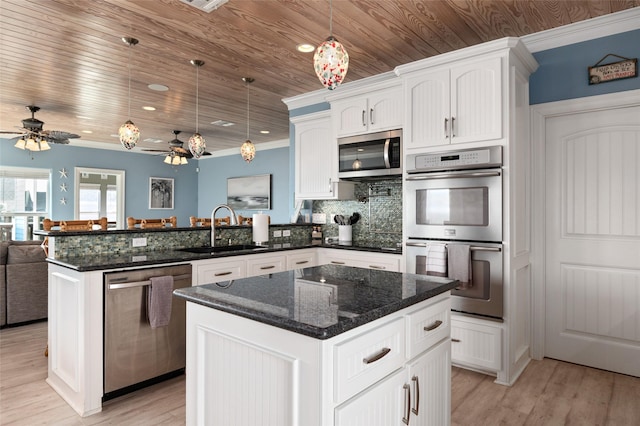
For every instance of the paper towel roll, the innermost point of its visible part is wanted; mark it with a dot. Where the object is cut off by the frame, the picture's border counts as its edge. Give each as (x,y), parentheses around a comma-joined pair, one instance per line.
(260,228)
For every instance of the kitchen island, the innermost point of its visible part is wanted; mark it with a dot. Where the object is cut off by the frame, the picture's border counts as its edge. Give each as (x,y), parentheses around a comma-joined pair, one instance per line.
(326,345)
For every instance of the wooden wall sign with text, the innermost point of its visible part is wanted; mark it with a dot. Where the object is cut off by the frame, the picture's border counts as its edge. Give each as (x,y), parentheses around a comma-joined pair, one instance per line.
(626,68)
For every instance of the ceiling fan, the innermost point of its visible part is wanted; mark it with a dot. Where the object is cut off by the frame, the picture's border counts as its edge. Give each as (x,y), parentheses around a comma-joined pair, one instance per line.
(34,138)
(176,151)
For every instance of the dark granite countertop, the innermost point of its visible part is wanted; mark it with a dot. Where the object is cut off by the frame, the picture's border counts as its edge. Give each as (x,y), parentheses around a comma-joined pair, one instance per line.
(87,263)
(320,302)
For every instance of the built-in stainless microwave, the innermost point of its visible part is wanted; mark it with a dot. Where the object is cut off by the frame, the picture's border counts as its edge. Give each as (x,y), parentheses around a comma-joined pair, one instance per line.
(371,155)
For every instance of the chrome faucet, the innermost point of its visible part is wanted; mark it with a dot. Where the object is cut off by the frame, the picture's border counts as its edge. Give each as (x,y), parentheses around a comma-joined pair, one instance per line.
(233,221)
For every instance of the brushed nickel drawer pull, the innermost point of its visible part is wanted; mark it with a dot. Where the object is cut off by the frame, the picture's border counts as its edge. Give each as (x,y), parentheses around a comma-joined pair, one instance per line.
(221,274)
(302,262)
(435,325)
(376,357)
(335,262)
(376,267)
(417,395)
(267,267)
(455,340)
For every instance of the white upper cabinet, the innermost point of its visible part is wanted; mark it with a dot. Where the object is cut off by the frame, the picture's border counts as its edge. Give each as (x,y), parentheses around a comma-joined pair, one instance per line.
(316,160)
(454,104)
(371,112)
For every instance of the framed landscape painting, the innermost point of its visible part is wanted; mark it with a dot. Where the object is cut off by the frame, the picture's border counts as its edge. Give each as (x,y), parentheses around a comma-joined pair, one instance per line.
(160,193)
(249,192)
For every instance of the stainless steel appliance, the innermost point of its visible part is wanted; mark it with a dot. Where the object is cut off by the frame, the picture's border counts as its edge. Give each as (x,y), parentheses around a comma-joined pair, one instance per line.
(136,355)
(485,296)
(374,155)
(455,197)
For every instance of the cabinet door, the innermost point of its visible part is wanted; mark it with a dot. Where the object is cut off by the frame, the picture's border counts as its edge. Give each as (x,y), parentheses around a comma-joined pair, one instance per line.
(316,158)
(385,404)
(476,101)
(301,259)
(218,270)
(385,110)
(428,110)
(476,344)
(430,381)
(350,116)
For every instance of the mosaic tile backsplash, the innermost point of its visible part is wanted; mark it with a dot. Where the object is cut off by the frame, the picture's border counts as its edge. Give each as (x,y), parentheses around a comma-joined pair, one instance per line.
(379,204)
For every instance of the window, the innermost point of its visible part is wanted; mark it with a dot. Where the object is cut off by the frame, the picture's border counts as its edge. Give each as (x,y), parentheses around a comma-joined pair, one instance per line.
(24,201)
(89,202)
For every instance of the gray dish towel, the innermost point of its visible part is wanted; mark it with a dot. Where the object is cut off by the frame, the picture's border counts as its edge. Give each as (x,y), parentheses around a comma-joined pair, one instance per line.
(159,298)
(459,263)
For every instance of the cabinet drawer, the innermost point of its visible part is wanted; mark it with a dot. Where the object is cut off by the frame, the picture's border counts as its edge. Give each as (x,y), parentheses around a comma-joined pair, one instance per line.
(260,265)
(222,271)
(305,259)
(476,345)
(367,358)
(428,326)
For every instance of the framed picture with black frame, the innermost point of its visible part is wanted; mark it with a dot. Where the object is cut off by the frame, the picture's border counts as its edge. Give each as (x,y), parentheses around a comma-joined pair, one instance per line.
(161,193)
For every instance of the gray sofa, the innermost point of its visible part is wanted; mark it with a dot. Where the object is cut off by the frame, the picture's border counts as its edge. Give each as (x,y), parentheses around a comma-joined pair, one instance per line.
(23,282)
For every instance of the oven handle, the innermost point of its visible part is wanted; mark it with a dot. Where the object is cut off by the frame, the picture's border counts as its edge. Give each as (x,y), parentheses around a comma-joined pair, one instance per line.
(453,175)
(472,248)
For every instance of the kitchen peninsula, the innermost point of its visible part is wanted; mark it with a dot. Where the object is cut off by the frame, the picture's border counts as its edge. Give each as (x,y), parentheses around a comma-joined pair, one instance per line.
(326,345)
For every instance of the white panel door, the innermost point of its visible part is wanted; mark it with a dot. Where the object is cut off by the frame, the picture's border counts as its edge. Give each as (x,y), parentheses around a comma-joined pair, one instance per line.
(593,239)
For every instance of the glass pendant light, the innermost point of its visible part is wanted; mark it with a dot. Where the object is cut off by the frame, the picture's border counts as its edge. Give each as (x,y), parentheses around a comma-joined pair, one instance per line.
(129,133)
(197,144)
(331,60)
(248,149)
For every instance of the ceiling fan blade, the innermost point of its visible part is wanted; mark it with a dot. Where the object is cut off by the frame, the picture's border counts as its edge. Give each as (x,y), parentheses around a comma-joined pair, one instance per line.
(58,134)
(157,150)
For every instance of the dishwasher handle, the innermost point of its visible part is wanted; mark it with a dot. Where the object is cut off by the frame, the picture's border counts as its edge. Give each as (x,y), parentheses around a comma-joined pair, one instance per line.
(143,283)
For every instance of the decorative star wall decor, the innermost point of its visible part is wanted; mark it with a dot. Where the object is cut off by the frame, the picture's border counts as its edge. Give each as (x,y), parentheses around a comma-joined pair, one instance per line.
(63,201)
(63,187)
(63,173)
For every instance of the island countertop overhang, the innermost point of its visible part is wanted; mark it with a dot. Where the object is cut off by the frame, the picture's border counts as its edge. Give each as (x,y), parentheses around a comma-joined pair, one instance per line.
(320,302)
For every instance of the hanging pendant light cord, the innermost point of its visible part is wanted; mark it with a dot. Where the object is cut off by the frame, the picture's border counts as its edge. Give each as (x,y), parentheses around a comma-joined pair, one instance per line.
(197,94)
(129,69)
(330,18)
(247,110)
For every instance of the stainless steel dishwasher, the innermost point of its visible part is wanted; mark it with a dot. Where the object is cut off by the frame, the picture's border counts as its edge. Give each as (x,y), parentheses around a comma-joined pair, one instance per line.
(136,355)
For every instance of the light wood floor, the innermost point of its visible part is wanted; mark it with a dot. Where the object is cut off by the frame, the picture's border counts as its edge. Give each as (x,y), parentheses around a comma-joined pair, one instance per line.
(549,392)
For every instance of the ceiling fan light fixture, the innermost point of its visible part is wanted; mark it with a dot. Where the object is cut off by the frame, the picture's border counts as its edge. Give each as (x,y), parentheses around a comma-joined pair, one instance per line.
(129,133)
(331,60)
(197,144)
(21,143)
(44,145)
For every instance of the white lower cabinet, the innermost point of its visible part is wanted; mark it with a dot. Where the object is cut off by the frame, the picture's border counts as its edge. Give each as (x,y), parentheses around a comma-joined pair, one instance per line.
(476,343)
(218,270)
(244,372)
(419,394)
(369,260)
(268,263)
(303,258)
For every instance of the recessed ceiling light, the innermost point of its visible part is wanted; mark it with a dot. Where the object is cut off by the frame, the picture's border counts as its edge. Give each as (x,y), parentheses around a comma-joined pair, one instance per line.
(87,131)
(158,87)
(305,47)
(152,140)
(114,135)
(148,108)
(83,117)
(264,132)
(223,123)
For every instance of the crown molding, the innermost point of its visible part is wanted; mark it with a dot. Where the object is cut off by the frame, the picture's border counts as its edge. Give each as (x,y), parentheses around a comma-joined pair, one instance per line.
(602,26)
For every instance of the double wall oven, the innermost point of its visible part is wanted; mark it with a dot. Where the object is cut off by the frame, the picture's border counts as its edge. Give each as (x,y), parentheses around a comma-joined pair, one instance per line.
(453,198)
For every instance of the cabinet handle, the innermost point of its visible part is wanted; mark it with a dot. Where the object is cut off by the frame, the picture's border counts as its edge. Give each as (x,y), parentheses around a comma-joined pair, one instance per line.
(371,115)
(364,123)
(376,357)
(335,262)
(435,325)
(376,267)
(302,262)
(407,398)
(455,340)
(446,129)
(267,267)
(417,397)
(221,274)
(453,130)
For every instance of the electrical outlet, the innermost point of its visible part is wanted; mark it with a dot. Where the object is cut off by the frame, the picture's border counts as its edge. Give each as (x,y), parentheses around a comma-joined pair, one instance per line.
(277,234)
(319,218)
(286,233)
(138,242)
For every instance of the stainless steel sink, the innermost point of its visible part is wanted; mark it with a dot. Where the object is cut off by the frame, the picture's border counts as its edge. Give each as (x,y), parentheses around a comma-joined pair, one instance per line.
(219,249)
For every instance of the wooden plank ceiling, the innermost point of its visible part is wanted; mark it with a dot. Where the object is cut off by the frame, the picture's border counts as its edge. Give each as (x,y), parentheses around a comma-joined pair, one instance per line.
(67,57)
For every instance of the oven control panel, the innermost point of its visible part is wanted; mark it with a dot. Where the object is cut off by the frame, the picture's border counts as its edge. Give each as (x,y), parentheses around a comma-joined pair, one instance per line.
(454,160)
